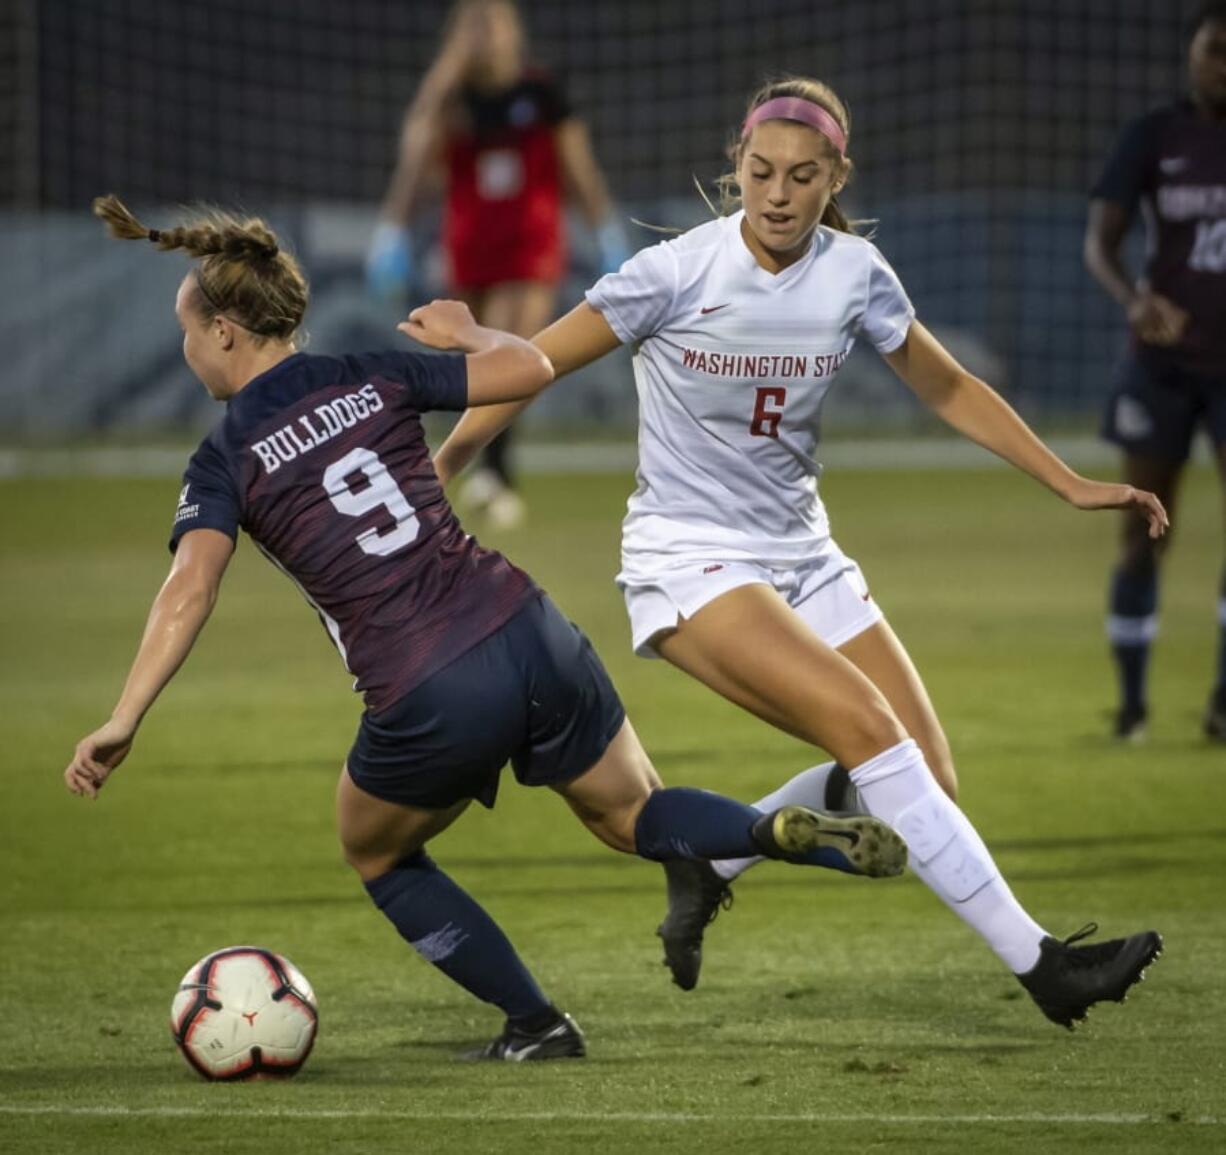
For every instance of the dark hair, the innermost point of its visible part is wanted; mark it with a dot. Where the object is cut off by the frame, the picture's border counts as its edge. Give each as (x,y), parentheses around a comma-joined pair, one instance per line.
(803,88)
(243,275)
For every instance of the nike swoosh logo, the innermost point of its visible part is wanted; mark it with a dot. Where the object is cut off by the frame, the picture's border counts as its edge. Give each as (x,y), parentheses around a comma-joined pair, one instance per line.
(714,308)
(519,1054)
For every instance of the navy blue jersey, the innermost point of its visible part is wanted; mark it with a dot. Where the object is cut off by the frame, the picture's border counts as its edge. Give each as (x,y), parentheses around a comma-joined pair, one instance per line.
(323,462)
(1172,162)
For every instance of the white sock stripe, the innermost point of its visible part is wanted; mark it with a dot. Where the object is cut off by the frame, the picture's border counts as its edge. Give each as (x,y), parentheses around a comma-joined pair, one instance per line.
(886,764)
(1126,631)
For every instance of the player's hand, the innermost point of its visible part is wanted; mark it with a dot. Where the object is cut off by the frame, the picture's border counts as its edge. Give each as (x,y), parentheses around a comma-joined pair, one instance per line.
(96,756)
(1107,495)
(1156,319)
(443,325)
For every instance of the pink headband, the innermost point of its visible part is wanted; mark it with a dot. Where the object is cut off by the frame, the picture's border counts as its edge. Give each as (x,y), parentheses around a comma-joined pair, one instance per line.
(797,108)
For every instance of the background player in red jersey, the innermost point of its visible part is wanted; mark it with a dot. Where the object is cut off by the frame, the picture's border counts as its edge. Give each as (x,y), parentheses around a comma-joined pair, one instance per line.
(465,664)
(1173,162)
(508,145)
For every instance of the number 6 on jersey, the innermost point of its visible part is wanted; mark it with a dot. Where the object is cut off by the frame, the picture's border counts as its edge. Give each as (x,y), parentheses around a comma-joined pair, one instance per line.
(766,420)
(382,491)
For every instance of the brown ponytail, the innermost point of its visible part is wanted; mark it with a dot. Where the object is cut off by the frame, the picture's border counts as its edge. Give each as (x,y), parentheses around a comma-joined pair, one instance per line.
(243,274)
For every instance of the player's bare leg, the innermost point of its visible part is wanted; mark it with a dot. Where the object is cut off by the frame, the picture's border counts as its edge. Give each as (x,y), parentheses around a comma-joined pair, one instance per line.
(698,891)
(881,657)
(376,834)
(751,648)
(609,797)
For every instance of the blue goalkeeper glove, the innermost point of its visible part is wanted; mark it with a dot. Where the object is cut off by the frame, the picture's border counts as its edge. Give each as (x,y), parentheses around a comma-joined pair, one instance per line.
(611,241)
(389,263)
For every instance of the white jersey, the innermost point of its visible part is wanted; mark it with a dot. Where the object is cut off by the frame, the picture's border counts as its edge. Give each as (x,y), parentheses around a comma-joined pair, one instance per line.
(731,366)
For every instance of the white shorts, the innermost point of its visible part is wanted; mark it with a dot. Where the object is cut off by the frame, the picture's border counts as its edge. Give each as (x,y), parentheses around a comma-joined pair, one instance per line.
(829,593)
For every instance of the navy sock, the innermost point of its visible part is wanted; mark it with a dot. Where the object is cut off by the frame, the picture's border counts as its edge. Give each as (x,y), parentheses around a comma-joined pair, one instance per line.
(448,928)
(1131,625)
(681,822)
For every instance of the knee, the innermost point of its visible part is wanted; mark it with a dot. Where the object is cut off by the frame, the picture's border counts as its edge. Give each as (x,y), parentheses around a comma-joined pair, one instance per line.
(366,863)
(616,824)
(866,729)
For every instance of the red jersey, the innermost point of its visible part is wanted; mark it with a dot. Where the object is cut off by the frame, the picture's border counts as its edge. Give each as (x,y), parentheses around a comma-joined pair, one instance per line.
(503,215)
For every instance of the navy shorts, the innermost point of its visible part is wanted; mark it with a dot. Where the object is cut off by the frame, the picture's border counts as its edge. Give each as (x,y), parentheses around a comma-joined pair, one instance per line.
(533,693)
(1156,409)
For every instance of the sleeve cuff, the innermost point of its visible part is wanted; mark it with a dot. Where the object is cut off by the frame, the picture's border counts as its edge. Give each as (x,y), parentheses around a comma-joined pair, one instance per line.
(606,310)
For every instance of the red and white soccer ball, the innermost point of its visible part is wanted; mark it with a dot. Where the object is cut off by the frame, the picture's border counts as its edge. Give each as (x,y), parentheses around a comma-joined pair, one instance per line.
(244,1013)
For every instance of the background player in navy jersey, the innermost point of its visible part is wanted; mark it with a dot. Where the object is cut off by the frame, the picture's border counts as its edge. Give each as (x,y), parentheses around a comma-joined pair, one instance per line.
(1171,162)
(508,146)
(464,663)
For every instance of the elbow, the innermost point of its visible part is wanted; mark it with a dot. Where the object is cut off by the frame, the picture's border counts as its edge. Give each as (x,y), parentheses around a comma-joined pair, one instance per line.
(943,396)
(190,601)
(545,369)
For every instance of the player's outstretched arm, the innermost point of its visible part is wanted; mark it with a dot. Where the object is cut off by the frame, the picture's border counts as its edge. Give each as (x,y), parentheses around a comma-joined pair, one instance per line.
(980,413)
(577,339)
(500,366)
(179,611)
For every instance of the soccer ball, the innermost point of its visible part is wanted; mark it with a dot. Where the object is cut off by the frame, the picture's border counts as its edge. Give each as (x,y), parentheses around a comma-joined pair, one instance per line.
(243,1013)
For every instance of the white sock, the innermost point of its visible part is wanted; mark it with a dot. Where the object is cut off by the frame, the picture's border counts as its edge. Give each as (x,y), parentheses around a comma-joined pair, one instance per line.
(808,788)
(946,852)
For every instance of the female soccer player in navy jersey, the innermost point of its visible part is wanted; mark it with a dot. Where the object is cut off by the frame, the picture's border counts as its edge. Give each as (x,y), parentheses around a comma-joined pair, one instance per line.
(323,462)
(508,146)
(1172,161)
(728,566)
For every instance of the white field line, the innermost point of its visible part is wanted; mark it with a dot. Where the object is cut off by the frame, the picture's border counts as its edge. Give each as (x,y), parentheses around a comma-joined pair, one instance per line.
(374,1113)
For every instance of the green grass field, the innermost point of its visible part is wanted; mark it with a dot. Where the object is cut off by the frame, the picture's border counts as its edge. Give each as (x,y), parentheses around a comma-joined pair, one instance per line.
(834,1014)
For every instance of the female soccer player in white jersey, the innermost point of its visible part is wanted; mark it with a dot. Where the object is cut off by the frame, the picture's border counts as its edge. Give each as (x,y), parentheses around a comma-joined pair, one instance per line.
(728,567)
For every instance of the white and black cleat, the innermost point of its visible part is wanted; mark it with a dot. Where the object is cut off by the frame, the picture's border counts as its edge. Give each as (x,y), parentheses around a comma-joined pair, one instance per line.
(560,1039)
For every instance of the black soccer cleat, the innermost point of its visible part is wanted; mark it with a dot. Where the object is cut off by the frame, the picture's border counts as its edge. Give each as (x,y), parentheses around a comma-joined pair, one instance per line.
(696,894)
(1215,716)
(561,1039)
(1131,725)
(1068,980)
(867,844)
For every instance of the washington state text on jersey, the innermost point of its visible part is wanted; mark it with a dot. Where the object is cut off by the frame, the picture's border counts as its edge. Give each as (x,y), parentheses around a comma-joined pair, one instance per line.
(764,364)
